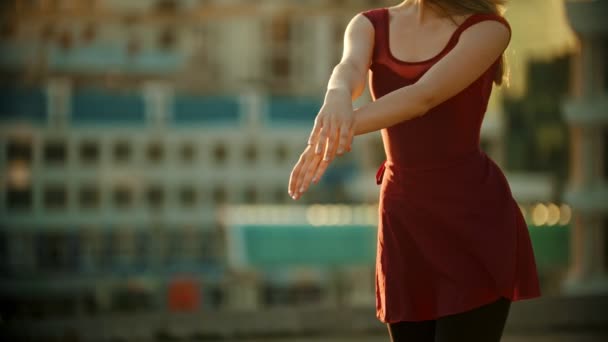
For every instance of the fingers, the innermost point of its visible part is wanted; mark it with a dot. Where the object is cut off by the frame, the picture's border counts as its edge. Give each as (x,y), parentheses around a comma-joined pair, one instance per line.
(344,140)
(293,177)
(332,146)
(314,134)
(301,180)
(307,175)
(349,143)
(320,171)
(329,157)
(321,143)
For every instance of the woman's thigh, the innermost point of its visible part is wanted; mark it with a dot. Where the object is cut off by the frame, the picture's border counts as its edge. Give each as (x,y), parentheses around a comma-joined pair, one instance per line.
(412,331)
(484,324)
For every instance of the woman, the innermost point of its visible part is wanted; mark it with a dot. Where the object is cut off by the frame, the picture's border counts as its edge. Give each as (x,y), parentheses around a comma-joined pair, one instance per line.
(453,250)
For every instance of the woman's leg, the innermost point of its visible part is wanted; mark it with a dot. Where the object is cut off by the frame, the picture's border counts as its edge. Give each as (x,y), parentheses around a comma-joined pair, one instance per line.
(412,331)
(484,324)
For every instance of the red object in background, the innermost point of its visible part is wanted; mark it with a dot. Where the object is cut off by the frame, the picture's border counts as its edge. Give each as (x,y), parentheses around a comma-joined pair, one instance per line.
(184,295)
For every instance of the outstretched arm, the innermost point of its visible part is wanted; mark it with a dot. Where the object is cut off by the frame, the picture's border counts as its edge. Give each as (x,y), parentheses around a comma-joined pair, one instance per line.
(478,48)
(333,129)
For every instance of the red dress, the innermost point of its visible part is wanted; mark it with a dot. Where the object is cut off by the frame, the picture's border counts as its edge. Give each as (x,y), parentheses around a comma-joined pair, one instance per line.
(451,237)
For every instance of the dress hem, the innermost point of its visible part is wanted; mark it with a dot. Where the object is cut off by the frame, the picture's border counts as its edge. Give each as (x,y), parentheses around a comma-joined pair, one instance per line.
(450,313)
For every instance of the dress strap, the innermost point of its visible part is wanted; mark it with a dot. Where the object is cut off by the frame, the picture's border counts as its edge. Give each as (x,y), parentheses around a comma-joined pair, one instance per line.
(377,17)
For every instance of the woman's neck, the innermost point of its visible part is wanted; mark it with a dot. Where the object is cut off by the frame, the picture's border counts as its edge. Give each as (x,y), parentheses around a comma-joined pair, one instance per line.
(422,10)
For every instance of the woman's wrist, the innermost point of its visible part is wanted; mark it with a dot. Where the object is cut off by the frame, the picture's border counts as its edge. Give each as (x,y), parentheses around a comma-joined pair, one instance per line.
(357,116)
(337,92)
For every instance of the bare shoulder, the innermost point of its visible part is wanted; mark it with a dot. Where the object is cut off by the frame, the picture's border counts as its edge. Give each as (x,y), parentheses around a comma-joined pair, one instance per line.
(491,33)
(361,22)
(360,27)
(495,26)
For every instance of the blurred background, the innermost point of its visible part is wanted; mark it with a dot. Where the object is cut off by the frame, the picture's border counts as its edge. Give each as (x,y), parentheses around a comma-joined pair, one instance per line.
(145,150)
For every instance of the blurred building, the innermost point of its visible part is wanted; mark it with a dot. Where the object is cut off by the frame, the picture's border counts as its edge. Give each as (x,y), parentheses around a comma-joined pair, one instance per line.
(130,128)
(126,125)
(587,115)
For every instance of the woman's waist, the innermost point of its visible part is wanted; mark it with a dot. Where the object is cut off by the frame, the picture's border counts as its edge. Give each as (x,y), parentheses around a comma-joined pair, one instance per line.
(464,168)
(432,161)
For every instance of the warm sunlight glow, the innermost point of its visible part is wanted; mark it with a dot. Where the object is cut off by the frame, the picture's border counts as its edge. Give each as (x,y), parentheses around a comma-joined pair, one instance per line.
(540,214)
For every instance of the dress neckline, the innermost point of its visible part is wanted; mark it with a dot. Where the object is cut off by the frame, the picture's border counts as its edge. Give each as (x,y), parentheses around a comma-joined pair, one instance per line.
(398,60)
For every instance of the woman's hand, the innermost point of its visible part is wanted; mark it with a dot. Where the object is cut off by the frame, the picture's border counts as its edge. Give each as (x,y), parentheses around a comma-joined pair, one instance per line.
(309,168)
(333,130)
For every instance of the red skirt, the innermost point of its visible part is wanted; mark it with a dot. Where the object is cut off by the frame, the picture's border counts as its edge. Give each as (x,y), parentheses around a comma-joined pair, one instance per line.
(451,238)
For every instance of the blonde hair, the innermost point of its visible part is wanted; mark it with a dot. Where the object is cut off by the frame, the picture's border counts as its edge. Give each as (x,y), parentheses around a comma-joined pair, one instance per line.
(463,7)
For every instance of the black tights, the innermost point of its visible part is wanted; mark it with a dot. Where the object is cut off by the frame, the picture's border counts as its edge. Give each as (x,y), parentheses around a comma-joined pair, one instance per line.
(484,324)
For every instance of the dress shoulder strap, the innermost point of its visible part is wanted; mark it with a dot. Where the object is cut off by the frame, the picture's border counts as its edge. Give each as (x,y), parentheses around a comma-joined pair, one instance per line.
(378,18)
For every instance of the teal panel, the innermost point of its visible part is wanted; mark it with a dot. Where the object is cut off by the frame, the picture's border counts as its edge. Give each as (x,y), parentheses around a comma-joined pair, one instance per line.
(92,57)
(309,246)
(271,247)
(98,106)
(551,247)
(293,110)
(202,110)
(104,56)
(22,104)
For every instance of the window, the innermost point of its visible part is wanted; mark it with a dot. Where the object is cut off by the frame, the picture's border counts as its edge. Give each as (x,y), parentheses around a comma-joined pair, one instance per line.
(58,251)
(187,196)
(187,152)
(89,152)
(220,154)
(281,153)
(280,195)
(251,153)
(88,197)
(280,36)
(209,245)
(122,197)
(220,195)
(122,151)
(108,250)
(171,247)
(141,249)
(55,197)
(124,239)
(155,152)
(191,244)
(251,195)
(19,198)
(214,296)
(19,150)
(91,246)
(155,196)
(55,152)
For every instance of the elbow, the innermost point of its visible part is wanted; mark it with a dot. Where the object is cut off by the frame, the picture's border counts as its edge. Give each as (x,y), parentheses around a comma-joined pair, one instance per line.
(356,76)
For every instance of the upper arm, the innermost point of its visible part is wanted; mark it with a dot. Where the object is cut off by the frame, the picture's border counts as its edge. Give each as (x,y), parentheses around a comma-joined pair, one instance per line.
(477,49)
(358,44)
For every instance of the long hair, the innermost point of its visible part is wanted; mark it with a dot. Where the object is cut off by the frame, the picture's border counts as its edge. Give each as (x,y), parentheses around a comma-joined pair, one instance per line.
(464,7)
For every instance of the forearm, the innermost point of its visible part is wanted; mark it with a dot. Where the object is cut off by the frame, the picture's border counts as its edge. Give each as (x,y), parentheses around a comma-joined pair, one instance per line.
(347,78)
(400,105)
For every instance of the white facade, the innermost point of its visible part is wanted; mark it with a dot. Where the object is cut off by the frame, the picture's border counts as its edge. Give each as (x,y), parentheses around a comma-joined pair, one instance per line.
(587,115)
